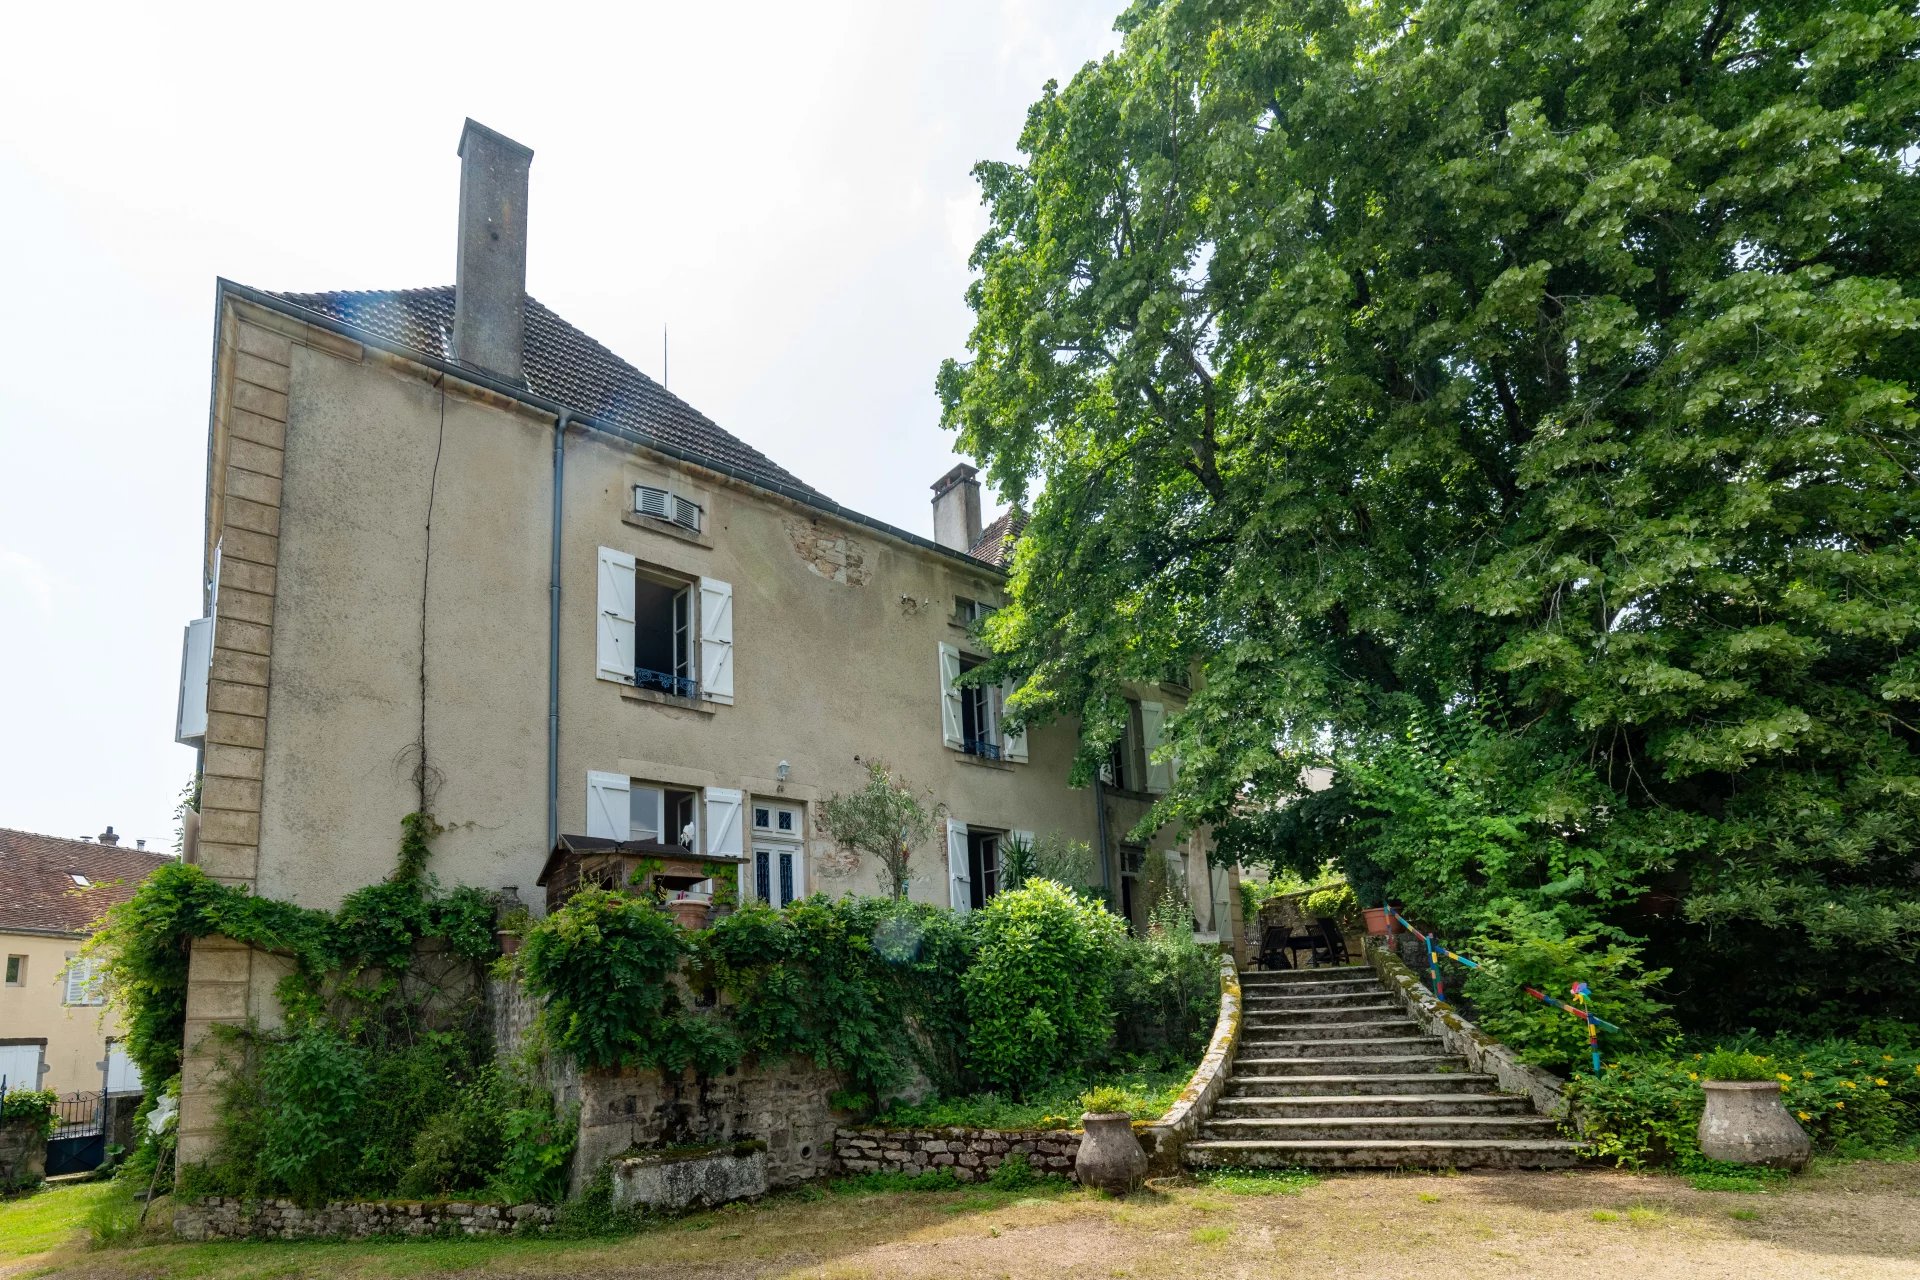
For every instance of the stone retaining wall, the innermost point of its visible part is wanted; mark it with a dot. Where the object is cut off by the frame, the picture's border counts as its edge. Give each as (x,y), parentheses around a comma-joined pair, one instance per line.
(971,1154)
(230,1218)
(1165,1137)
(23,1152)
(1483,1053)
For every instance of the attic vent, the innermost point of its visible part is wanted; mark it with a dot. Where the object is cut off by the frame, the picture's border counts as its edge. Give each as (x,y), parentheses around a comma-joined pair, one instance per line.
(658,503)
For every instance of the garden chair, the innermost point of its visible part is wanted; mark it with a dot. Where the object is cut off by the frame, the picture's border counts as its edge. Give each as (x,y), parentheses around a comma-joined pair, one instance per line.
(1273,948)
(1332,948)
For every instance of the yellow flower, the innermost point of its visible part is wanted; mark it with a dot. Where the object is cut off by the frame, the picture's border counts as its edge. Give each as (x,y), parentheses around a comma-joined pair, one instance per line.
(1805,1116)
(1881,1081)
(1807,1074)
(1693,1075)
(1781,1075)
(1848,1084)
(1840,1106)
(1886,1057)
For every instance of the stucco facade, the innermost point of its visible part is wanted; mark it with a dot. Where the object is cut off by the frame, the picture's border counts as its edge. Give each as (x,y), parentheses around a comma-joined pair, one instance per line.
(380,543)
(73,1038)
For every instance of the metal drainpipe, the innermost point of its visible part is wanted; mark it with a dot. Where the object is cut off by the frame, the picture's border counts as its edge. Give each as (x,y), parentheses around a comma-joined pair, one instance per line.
(1100,825)
(553,636)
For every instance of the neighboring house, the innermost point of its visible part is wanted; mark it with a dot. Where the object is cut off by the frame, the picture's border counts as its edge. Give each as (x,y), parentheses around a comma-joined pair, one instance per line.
(632,626)
(52,1032)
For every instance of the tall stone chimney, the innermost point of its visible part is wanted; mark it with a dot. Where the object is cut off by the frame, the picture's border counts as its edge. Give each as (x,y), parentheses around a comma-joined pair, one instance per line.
(108,837)
(956,508)
(490,280)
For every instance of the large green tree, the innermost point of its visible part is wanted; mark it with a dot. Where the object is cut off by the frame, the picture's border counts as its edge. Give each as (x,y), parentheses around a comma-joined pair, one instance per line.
(1535,378)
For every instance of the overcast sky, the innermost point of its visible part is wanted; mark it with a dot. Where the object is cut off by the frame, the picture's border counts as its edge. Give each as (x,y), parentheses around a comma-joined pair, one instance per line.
(785,186)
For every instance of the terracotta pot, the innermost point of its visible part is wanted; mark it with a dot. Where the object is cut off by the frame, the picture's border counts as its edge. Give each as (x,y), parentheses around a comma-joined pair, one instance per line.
(1746,1122)
(688,913)
(1377,921)
(509,942)
(1110,1157)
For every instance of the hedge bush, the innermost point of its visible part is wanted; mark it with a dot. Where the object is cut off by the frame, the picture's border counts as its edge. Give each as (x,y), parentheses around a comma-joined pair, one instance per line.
(1040,990)
(1852,1098)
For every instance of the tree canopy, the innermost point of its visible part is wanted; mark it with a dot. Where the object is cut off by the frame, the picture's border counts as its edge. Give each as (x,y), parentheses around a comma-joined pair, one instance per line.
(1512,406)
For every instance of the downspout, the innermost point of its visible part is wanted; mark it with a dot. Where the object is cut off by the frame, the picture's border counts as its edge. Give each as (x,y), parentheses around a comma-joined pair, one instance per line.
(553,635)
(1100,825)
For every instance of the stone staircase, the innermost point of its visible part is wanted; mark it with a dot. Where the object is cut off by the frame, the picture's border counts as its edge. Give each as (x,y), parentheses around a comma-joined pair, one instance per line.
(1333,1074)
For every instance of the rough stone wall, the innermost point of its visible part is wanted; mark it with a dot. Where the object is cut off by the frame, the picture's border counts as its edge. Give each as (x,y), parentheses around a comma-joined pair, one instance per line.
(971,1154)
(783,1104)
(23,1153)
(230,1218)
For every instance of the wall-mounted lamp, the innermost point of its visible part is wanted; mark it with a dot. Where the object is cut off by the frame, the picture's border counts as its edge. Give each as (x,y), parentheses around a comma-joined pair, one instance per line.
(782,769)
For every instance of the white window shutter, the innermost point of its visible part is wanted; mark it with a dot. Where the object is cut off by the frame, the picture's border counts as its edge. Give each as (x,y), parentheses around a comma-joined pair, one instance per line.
(76,979)
(950,698)
(1013,746)
(615,643)
(716,641)
(609,811)
(724,835)
(1153,731)
(959,874)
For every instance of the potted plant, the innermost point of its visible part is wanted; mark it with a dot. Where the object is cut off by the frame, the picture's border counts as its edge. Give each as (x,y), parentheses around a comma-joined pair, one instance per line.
(1745,1121)
(511,929)
(1110,1157)
(726,888)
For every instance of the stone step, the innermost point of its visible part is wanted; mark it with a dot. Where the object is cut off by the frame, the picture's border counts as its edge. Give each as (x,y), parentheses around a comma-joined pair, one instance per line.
(1297,1106)
(1296,977)
(1372,1029)
(1348,1084)
(1494,1154)
(1361,1011)
(1314,987)
(1444,1128)
(1322,1065)
(1268,1046)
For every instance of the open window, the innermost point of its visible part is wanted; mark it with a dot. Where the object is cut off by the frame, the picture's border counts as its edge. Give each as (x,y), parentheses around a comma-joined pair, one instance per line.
(663,631)
(972,716)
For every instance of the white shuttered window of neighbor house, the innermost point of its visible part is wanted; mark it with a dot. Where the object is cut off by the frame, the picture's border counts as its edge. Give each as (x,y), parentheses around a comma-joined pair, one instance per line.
(83,981)
(958,877)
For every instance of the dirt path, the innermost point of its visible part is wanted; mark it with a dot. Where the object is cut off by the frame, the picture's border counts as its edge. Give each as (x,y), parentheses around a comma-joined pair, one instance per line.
(1854,1221)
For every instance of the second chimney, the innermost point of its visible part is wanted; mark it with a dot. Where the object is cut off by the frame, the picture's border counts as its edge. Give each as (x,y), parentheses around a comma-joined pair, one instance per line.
(108,837)
(956,508)
(490,278)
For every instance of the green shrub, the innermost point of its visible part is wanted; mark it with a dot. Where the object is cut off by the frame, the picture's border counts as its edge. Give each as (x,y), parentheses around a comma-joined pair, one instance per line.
(1166,990)
(1336,903)
(31,1104)
(1015,1173)
(1733,1064)
(1104,1099)
(1039,991)
(865,986)
(1518,953)
(1852,1098)
(605,964)
(312,1087)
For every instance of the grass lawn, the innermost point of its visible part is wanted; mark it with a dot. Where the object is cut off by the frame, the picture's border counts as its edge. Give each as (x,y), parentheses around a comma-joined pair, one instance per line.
(1858,1221)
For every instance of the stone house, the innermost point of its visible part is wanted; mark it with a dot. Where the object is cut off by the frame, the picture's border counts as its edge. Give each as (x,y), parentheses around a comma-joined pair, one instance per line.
(456,549)
(56,1031)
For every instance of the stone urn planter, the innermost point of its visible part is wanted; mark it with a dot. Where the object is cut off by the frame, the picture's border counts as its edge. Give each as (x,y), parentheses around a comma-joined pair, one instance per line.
(689,913)
(1745,1122)
(1110,1157)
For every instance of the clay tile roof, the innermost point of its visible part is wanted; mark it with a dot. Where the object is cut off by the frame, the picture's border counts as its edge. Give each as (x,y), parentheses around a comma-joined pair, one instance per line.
(996,540)
(38,893)
(563,364)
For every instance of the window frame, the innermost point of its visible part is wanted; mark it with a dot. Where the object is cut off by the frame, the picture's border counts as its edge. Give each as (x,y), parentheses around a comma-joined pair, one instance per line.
(16,970)
(681,626)
(982,704)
